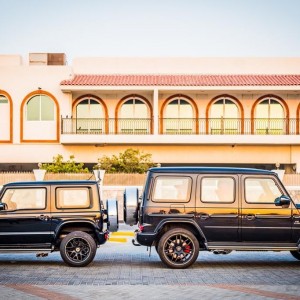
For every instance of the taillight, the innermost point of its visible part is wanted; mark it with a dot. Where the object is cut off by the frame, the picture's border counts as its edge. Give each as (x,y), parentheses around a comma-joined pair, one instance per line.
(141,228)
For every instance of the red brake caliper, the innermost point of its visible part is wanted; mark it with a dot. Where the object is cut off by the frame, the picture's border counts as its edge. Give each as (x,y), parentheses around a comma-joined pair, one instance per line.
(187,249)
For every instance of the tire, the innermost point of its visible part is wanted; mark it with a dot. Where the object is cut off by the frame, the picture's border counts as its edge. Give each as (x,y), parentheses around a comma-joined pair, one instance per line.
(296,254)
(131,205)
(178,248)
(78,249)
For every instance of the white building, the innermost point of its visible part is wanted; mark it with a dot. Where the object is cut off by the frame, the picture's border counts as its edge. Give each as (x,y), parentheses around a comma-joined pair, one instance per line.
(204,111)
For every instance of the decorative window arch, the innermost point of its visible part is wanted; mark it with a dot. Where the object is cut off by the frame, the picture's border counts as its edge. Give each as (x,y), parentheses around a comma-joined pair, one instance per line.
(6,118)
(90,115)
(270,115)
(225,115)
(133,115)
(179,115)
(39,118)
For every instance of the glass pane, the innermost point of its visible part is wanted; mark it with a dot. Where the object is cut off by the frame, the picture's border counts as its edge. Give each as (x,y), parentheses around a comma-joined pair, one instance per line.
(172,109)
(3,99)
(127,110)
(262,109)
(96,110)
(231,110)
(261,190)
(47,108)
(185,110)
(140,110)
(82,109)
(276,110)
(216,110)
(219,189)
(72,198)
(33,109)
(169,189)
(25,198)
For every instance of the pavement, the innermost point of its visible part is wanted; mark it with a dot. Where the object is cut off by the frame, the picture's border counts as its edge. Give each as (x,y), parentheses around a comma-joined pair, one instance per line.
(123,271)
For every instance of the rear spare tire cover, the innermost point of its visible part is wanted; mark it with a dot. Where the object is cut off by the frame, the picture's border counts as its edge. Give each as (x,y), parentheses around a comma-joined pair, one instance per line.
(131,199)
(112,215)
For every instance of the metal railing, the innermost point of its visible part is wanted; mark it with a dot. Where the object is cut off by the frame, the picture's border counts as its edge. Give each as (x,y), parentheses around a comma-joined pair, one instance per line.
(105,126)
(182,126)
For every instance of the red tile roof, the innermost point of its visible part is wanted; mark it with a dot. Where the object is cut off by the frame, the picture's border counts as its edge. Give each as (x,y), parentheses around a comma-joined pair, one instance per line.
(183,80)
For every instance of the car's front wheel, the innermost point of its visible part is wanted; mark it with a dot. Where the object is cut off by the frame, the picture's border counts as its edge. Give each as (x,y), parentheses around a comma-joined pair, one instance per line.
(296,254)
(78,249)
(178,248)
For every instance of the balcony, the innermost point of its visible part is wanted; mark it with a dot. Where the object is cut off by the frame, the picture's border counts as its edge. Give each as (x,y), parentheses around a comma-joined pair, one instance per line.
(180,131)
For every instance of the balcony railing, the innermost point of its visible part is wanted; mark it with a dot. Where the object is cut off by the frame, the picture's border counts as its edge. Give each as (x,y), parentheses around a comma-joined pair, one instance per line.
(105,126)
(211,126)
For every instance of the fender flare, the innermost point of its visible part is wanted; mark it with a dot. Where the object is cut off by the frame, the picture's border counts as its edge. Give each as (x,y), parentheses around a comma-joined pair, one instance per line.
(72,222)
(162,223)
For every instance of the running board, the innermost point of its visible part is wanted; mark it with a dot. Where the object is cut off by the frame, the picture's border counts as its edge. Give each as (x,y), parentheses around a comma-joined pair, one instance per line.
(251,247)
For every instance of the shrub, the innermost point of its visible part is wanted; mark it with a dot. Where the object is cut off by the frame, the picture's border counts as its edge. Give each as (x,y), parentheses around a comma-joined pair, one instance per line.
(60,166)
(129,161)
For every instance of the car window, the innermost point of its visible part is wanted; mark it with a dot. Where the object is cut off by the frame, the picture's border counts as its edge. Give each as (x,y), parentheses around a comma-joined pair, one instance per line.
(172,189)
(218,189)
(261,190)
(25,198)
(72,197)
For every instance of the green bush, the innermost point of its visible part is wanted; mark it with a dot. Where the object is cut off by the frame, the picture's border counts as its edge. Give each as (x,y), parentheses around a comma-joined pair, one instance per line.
(129,161)
(60,166)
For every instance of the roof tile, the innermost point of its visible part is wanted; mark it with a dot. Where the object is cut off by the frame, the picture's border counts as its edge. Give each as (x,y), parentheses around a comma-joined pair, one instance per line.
(183,80)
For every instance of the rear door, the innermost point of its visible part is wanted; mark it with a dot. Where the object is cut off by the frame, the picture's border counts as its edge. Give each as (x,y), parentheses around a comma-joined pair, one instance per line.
(217,207)
(262,221)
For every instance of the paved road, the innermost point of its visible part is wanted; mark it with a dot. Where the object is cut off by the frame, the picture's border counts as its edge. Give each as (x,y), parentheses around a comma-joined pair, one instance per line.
(122,271)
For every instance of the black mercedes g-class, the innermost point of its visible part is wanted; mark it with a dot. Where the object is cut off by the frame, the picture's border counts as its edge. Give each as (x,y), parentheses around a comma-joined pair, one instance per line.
(184,210)
(47,216)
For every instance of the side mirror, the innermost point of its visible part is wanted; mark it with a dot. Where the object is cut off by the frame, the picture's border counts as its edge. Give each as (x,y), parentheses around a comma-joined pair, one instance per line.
(3,206)
(283,200)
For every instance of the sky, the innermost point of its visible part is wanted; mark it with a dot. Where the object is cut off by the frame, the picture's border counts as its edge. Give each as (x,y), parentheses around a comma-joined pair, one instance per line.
(151,28)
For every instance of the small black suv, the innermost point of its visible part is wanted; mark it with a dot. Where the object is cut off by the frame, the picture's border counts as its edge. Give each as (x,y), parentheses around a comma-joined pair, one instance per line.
(184,210)
(47,216)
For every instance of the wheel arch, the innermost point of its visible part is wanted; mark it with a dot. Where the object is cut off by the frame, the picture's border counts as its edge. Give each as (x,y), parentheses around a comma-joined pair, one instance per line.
(191,225)
(70,226)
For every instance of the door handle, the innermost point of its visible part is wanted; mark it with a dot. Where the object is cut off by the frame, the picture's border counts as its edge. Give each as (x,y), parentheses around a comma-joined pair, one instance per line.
(204,216)
(250,217)
(44,218)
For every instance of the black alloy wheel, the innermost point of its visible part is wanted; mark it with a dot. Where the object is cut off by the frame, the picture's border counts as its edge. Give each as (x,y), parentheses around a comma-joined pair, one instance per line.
(78,249)
(178,248)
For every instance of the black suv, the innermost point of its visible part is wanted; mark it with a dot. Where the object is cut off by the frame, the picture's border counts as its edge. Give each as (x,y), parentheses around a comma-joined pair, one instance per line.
(184,210)
(47,216)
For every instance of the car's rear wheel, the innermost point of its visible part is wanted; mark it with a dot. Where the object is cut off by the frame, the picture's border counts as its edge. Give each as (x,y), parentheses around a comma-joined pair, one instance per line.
(78,249)
(178,248)
(296,254)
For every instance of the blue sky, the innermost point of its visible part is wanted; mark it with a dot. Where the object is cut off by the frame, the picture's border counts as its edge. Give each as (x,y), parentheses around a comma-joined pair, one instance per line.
(188,28)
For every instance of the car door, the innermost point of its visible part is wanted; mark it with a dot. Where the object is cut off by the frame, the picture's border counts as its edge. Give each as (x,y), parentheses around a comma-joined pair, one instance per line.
(217,207)
(25,222)
(262,221)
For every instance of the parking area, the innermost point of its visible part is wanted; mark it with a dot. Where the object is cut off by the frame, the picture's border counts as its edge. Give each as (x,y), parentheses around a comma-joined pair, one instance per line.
(123,271)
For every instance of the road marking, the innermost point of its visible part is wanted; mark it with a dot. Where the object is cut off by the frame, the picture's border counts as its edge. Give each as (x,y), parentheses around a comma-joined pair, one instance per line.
(122,233)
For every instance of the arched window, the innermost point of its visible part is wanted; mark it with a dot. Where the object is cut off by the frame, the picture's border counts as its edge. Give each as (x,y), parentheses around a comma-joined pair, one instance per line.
(270,117)
(90,116)
(224,117)
(40,108)
(179,117)
(134,116)
(39,118)
(5,118)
